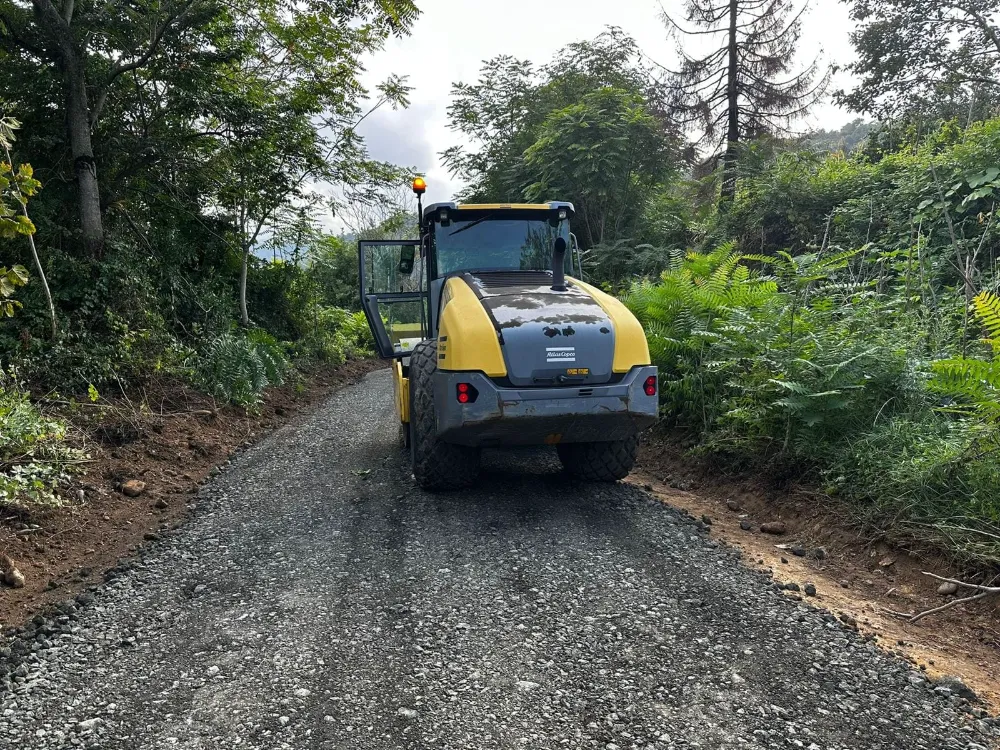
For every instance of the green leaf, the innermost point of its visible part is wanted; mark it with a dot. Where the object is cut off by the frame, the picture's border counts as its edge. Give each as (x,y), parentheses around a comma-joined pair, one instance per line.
(988,176)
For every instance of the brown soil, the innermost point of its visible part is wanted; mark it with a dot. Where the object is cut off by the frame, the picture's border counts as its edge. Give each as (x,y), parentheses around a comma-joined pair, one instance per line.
(169,438)
(962,642)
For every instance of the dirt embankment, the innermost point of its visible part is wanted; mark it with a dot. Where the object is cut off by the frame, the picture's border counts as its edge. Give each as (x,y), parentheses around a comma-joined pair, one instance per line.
(858,578)
(149,452)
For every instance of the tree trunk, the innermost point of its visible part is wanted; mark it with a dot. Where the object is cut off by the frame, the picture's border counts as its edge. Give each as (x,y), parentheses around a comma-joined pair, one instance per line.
(244,315)
(78,121)
(71,56)
(732,103)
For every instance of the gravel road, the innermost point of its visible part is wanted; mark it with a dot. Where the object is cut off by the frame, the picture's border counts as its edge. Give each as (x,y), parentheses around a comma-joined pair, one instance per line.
(319,600)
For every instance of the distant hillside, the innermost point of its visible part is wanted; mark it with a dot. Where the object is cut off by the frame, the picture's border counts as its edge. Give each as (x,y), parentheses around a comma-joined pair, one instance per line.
(846,139)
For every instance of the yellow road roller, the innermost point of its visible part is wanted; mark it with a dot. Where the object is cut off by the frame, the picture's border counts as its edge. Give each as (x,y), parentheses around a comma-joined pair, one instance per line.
(496,341)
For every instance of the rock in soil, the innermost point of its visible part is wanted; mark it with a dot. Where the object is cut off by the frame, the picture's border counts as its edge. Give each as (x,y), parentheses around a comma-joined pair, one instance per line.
(810,590)
(133,487)
(746,525)
(957,687)
(9,573)
(14,578)
(734,506)
(774,527)
(947,588)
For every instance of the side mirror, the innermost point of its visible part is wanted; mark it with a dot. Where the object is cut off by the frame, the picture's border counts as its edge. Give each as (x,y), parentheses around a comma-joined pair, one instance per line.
(406,256)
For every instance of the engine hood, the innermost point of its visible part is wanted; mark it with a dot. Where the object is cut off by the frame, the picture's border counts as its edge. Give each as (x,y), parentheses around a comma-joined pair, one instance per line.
(547,337)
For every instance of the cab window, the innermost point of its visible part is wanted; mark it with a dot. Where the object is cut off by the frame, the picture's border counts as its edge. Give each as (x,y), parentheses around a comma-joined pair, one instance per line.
(484,243)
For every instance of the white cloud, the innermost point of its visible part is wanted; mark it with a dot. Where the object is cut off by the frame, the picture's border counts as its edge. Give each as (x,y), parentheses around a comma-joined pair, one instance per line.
(453,37)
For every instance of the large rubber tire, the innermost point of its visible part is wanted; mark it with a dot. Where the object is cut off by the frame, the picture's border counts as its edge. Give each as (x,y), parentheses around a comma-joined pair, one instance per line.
(437,465)
(599,462)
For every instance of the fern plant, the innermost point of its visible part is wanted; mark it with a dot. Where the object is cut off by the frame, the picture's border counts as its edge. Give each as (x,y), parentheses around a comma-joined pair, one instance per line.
(237,367)
(685,316)
(974,384)
(769,363)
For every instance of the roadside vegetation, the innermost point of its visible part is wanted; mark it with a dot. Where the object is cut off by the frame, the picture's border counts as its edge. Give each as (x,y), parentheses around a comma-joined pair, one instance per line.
(165,178)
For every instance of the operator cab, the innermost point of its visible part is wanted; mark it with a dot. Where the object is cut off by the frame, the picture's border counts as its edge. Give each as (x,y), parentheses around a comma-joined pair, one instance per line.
(511,242)
(495,237)
(402,280)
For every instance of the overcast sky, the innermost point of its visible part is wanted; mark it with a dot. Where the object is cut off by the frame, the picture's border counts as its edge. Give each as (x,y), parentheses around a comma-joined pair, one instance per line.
(452,38)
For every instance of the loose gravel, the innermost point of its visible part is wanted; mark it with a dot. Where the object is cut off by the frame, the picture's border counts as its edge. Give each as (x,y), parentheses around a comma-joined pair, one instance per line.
(318,599)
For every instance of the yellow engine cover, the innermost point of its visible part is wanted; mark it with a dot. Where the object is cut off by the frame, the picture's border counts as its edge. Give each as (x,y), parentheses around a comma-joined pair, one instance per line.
(467,340)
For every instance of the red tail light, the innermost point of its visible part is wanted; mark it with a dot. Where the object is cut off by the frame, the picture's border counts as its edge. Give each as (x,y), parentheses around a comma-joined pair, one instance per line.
(650,385)
(465,393)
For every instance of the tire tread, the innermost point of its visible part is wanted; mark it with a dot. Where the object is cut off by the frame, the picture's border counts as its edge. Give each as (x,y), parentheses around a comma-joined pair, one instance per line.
(600,461)
(437,465)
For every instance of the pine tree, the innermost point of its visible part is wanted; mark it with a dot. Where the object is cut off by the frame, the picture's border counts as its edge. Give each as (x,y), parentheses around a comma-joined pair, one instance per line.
(747,86)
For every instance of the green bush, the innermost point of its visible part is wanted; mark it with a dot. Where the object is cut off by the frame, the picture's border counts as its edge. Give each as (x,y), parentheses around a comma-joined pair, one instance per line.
(335,336)
(788,359)
(35,457)
(78,359)
(236,367)
(812,364)
(924,477)
(890,200)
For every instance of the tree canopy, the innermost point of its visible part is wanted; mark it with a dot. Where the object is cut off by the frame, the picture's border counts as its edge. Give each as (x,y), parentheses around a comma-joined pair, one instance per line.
(153,123)
(922,57)
(588,127)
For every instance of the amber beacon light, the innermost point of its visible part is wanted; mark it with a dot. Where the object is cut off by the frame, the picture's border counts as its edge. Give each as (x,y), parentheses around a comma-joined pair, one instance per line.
(419,185)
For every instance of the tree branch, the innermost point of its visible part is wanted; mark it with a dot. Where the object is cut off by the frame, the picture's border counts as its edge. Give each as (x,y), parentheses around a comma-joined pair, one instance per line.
(16,32)
(121,68)
(57,25)
(989,29)
(984,592)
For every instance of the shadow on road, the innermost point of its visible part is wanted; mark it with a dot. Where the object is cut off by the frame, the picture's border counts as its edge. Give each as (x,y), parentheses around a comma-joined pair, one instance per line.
(520,487)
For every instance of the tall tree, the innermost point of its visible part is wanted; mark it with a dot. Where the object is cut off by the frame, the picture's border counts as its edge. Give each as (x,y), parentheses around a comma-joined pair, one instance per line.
(590,127)
(136,53)
(925,57)
(81,41)
(500,115)
(607,152)
(747,85)
(290,121)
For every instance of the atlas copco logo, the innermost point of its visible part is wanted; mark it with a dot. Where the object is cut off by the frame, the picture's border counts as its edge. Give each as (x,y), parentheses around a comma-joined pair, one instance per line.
(560,354)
